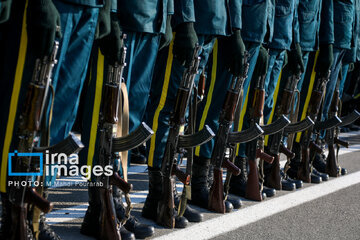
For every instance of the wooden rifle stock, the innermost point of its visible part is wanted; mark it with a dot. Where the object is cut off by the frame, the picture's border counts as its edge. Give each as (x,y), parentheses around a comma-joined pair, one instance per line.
(109,227)
(304,173)
(331,164)
(253,190)
(275,177)
(217,192)
(165,211)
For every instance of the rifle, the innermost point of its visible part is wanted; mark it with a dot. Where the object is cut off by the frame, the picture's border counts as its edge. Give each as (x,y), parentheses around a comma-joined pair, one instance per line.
(21,197)
(175,142)
(307,142)
(197,97)
(275,142)
(331,136)
(225,139)
(255,148)
(110,145)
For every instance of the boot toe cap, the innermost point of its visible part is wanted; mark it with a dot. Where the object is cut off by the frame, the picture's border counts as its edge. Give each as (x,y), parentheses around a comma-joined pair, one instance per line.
(287,185)
(315,178)
(228,207)
(235,201)
(126,235)
(140,230)
(181,222)
(193,215)
(270,192)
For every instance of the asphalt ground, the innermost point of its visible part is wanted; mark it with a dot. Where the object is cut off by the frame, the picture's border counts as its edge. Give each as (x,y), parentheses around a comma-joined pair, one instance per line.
(333,215)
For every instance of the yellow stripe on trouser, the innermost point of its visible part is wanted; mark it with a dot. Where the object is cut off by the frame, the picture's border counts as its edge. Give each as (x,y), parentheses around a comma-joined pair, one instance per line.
(96,108)
(14,102)
(161,104)
(276,93)
(308,96)
(211,90)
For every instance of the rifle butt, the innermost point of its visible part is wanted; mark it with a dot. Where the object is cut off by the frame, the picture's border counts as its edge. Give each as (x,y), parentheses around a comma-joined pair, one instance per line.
(216,198)
(109,228)
(304,167)
(118,181)
(33,197)
(331,165)
(252,186)
(165,212)
(274,179)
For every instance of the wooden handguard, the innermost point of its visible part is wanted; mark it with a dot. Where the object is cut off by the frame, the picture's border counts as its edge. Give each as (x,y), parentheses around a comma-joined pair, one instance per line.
(183,177)
(285,105)
(201,86)
(217,199)
(259,99)
(116,180)
(31,113)
(32,197)
(231,167)
(264,156)
(111,103)
(316,148)
(284,150)
(341,142)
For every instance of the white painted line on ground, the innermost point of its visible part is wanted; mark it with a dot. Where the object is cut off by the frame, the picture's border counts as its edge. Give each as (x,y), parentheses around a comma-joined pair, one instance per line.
(220,225)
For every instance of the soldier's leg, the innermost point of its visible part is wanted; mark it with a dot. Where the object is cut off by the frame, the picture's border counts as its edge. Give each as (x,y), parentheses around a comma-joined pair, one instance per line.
(331,85)
(164,86)
(276,61)
(16,65)
(217,84)
(141,49)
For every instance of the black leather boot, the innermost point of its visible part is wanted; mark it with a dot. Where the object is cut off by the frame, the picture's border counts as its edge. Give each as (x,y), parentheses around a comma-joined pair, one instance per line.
(274,179)
(90,225)
(295,162)
(138,155)
(200,183)
(132,224)
(45,231)
(298,183)
(149,210)
(238,183)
